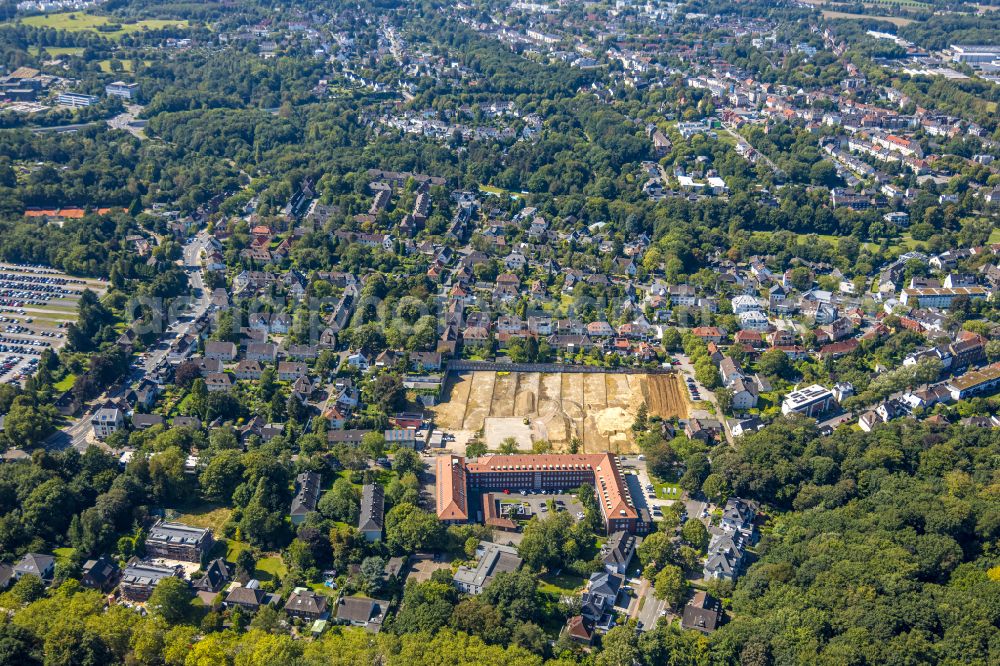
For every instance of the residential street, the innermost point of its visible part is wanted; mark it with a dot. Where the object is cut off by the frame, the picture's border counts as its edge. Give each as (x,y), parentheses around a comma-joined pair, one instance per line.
(78,433)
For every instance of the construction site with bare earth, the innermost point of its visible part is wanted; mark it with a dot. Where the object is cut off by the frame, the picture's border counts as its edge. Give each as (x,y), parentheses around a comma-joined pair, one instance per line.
(597,408)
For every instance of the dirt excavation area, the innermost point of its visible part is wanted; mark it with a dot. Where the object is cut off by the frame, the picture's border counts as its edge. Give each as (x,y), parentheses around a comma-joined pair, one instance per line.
(596,408)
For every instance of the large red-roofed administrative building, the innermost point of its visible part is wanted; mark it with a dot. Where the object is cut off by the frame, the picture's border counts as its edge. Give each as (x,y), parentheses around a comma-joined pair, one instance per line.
(459,480)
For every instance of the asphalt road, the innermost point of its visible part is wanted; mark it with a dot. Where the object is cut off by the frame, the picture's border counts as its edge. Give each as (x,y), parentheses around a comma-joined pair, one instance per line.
(649,614)
(199,304)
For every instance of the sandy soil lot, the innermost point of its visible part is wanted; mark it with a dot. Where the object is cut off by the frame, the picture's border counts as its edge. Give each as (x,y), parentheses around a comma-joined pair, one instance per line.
(598,409)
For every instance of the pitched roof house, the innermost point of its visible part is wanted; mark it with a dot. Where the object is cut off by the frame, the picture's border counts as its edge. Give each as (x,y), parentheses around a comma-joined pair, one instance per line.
(372,515)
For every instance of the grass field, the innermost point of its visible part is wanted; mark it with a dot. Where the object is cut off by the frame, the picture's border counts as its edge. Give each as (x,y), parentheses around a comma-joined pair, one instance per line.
(662,490)
(902,244)
(995,236)
(66,383)
(560,585)
(207,517)
(269,568)
(895,20)
(81,22)
(497,192)
(62,554)
(106,66)
(57,50)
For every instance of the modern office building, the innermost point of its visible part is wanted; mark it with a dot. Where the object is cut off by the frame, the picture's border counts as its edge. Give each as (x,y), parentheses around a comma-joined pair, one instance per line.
(810,401)
(75,100)
(121,89)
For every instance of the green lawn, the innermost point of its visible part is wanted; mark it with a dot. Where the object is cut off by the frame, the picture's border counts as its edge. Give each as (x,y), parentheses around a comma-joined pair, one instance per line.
(995,236)
(184,404)
(320,588)
(234,548)
(382,476)
(662,488)
(564,584)
(66,383)
(269,568)
(904,243)
(127,66)
(496,191)
(81,22)
(57,51)
(62,554)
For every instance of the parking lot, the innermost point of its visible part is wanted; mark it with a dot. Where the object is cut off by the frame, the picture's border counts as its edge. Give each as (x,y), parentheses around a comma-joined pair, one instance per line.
(637,476)
(537,504)
(694,390)
(36,305)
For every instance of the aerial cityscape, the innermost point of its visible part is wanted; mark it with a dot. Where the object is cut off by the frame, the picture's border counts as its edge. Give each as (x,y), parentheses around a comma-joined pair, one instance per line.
(616,333)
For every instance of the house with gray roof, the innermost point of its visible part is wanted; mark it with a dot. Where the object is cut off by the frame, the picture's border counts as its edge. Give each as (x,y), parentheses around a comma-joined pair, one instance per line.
(372,517)
(140,578)
(177,541)
(617,552)
(100,574)
(305,604)
(36,564)
(491,559)
(362,612)
(217,574)
(598,602)
(249,597)
(6,575)
(738,514)
(307,491)
(702,613)
(725,556)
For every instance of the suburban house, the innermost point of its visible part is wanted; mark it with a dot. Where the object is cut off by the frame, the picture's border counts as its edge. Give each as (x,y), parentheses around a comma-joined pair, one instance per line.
(491,559)
(738,515)
(100,574)
(617,552)
(249,597)
(362,612)
(307,491)
(107,420)
(36,564)
(725,557)
(580,630)
(221,350)
(702,613)
(217,574)
(599,600)
(218,381)
(305,604)
(372,516)
(248,370)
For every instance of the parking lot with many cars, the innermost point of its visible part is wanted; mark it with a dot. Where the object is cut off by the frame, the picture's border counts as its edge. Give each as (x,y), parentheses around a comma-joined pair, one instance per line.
(36,305)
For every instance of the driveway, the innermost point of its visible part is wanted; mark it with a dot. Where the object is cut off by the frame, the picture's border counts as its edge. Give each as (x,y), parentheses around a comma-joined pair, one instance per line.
(687,370)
